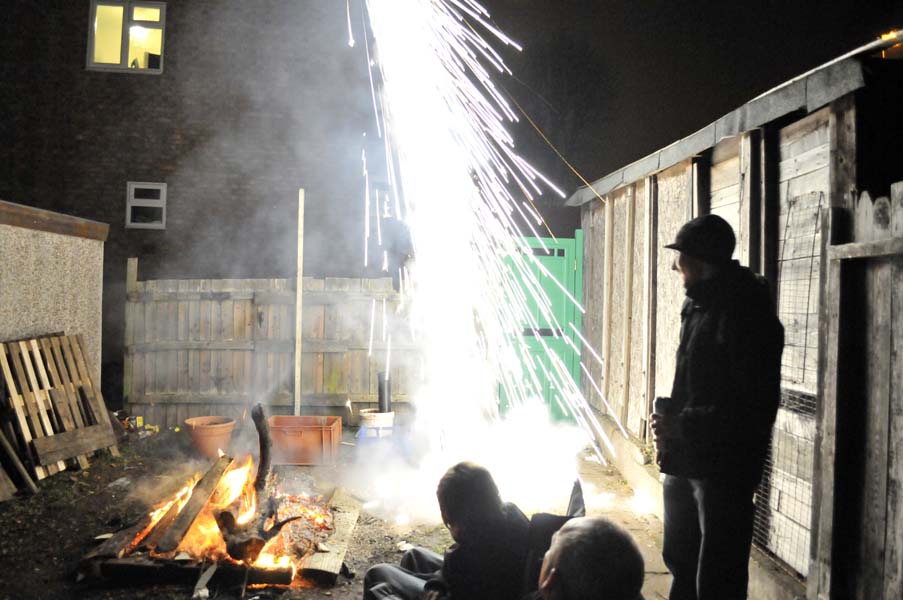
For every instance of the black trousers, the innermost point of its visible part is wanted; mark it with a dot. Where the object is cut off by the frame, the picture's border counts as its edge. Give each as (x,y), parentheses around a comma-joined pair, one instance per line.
(404,582)
(707,537)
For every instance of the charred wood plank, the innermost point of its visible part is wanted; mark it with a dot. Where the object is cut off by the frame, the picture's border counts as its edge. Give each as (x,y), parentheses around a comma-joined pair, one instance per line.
(154,536)
(200,494)
(324,567)
(138,571)
(114,547)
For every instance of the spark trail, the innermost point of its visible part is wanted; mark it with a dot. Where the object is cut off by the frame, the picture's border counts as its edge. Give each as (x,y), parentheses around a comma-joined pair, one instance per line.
(476,284)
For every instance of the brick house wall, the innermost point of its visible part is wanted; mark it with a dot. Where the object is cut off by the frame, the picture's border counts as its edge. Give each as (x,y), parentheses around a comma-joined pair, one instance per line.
(256,100)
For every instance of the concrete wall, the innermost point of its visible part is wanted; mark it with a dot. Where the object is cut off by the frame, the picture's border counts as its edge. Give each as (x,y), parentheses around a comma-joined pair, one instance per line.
(49,283)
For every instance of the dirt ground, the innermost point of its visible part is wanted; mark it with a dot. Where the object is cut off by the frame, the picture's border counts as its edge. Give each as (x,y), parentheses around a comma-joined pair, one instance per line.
(44,536)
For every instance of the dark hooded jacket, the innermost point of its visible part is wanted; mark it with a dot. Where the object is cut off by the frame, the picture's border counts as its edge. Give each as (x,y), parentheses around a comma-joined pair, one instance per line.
(727,383)
(488,566)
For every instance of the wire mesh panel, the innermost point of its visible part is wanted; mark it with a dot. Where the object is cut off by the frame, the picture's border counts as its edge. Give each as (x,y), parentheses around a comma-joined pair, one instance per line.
(784,497)
(798,292)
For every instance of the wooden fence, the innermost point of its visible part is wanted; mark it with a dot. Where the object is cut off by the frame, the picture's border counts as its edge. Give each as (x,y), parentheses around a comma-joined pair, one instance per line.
(857,551)
(200,346)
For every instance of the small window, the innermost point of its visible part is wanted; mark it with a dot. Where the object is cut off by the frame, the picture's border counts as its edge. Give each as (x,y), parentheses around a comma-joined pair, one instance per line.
(126,36)
(145,206)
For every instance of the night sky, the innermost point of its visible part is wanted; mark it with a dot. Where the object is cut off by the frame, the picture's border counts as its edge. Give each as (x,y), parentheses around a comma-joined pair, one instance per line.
(612,81)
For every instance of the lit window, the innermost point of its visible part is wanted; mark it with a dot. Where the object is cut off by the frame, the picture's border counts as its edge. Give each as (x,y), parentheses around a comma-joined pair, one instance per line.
(126,36)
(145,206)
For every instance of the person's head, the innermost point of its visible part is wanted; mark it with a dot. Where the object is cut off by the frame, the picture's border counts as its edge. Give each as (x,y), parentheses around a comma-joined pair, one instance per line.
(705,245)
(468,499)
(591,558)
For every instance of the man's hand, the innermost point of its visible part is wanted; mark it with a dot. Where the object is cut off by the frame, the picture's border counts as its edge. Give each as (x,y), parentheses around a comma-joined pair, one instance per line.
(430,595)
(664,428)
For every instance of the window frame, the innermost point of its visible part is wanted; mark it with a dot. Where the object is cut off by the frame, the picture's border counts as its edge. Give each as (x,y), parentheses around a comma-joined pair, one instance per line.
(131,202)
(127,23)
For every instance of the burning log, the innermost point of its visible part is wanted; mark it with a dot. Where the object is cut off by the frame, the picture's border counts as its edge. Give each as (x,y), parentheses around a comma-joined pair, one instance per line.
(200,494)
(244,541)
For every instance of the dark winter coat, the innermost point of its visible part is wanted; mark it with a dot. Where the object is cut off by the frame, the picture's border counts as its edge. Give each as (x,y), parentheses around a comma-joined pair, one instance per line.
(488,566)
(727,383)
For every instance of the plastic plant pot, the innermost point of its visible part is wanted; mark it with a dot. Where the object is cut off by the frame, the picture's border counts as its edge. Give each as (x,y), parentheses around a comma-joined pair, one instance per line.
(305,440)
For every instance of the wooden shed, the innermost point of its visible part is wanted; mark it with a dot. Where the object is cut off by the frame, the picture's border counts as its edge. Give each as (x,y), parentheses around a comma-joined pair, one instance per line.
(810,176)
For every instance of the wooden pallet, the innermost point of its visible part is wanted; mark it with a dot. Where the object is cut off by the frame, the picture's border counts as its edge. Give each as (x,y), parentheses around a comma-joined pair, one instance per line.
(56,410)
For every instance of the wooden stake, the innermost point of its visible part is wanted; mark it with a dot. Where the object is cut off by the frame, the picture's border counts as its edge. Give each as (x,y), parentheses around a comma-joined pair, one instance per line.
(299,288)
(131,287)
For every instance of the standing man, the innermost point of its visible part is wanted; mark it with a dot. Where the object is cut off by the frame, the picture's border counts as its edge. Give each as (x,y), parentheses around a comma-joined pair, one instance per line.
(712,435)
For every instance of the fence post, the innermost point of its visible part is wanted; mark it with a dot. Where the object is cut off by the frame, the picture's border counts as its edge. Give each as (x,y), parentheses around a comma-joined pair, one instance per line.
(299,288)
(131,286)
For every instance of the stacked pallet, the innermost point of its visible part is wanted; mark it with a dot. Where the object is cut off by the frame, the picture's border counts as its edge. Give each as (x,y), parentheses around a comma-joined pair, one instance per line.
(53,413)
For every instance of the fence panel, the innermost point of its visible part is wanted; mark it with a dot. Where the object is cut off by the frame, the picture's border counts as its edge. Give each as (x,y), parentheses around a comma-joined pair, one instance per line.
(201,346)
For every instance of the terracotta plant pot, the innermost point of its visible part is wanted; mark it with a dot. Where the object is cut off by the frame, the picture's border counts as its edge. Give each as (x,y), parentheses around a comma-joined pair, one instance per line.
(210,434)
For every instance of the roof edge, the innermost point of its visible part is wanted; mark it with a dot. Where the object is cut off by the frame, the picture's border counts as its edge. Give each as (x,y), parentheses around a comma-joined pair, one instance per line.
(810,90)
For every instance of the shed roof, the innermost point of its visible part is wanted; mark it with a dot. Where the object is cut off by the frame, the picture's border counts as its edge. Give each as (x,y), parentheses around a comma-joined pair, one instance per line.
(809,91)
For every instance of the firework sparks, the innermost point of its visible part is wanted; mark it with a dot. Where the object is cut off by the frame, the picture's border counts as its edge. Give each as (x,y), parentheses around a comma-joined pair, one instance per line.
(476,285)
(348,15)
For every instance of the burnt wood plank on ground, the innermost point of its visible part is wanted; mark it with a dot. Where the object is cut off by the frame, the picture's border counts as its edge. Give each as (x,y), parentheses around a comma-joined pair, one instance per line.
(199,496)
(138,571)
(324,567)
(115,546)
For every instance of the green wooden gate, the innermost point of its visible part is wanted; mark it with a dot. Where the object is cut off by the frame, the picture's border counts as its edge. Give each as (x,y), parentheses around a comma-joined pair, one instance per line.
(564,262)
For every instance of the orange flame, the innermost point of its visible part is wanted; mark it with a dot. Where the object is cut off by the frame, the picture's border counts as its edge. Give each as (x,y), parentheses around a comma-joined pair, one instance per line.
(236,493)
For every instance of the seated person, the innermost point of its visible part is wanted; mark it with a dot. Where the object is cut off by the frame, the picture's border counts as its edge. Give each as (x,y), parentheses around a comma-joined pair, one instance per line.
(591,558)
(487,560)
